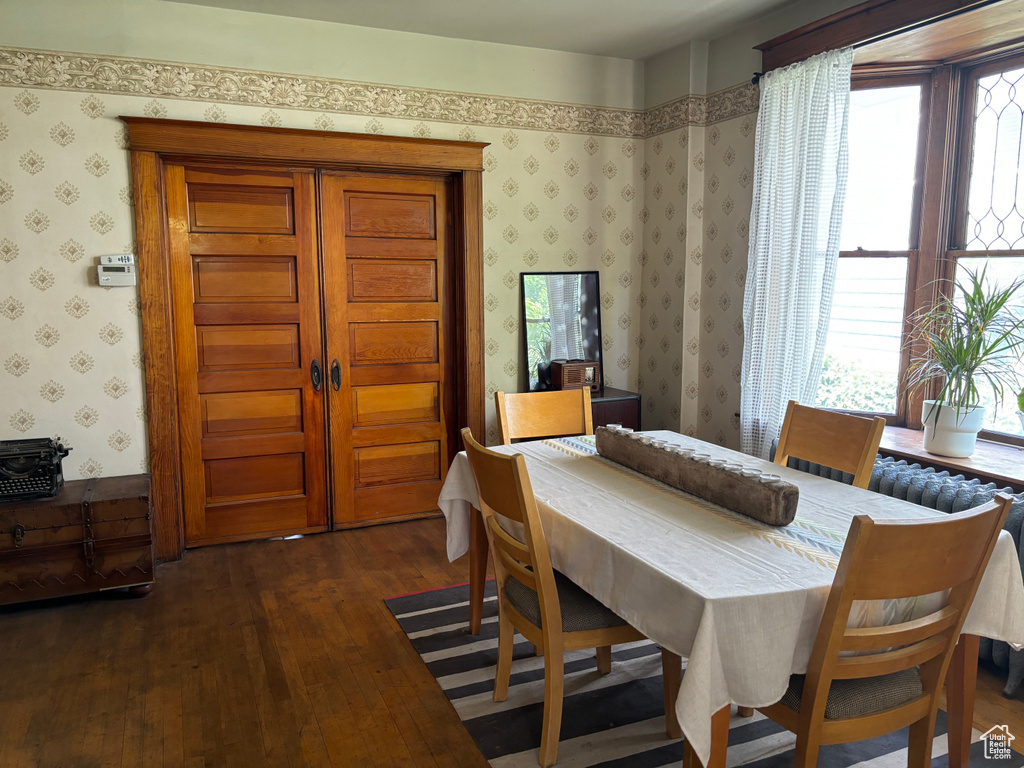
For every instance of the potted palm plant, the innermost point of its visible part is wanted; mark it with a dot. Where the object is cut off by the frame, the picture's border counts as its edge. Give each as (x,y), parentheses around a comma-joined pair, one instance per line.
(969,340)
(1020,408)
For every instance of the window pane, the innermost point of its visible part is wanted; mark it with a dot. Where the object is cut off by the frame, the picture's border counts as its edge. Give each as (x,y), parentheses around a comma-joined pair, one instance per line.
(862,351)
(995,199)
(883,161)
(1002,270)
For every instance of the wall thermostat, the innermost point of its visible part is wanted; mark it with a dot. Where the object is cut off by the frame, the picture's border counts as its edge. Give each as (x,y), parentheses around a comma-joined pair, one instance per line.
(113,275)
(118,258)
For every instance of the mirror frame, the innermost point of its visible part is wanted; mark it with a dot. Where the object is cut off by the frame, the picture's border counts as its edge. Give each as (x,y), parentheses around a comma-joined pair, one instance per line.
(524,378)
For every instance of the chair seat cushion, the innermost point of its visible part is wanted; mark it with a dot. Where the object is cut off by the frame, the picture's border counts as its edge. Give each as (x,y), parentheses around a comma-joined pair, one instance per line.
(860,696)
(580,611)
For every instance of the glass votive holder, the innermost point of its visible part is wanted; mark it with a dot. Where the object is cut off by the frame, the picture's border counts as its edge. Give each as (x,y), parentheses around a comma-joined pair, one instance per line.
(750,472)
(702,458)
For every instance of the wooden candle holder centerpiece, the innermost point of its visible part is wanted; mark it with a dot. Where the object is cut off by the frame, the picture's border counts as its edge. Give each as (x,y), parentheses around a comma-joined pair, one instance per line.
(767,498)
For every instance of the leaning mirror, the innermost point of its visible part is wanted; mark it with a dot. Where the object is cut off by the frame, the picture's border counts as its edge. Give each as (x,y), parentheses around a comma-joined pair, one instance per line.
(561,321)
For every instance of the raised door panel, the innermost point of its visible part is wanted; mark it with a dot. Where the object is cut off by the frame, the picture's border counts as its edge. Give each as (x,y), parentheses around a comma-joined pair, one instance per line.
(389,214)
(380,280)
(247,328)
(395,404)
(393,343)
(228,414)
(225,348)
(390,464)
(385,263)
(237,278)
(255,477)
(235,208)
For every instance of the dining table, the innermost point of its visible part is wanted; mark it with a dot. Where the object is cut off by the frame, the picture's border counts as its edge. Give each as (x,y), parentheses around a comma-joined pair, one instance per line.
(741,600)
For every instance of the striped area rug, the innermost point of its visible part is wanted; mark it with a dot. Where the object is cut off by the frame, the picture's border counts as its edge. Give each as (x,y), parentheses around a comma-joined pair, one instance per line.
(612,721)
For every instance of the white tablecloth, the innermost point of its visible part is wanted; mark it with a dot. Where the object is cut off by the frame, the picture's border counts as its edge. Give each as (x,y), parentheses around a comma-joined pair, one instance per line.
(742,600)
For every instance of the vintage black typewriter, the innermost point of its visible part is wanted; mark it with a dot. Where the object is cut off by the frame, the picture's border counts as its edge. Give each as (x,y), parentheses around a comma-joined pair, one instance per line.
(30,469)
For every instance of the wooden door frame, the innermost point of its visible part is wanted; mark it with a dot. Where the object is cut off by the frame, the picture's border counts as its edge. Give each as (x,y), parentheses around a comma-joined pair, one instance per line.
(154,142)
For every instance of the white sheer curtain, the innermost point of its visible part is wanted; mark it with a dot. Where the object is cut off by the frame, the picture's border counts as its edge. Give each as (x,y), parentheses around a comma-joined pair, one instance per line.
(564,305)
(800,170)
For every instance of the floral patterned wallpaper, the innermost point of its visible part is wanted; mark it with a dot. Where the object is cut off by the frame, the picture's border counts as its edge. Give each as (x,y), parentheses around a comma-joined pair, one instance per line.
(656,201)
(728,192)
(664,261)
(698,197)
(70,350)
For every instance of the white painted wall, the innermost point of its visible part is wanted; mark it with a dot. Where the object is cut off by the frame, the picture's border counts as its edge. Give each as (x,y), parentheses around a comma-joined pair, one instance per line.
(701,68)
(732,58)
(195,34)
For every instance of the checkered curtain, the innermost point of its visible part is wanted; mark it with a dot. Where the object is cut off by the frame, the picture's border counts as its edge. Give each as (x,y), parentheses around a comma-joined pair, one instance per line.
(800,171)
(564,304)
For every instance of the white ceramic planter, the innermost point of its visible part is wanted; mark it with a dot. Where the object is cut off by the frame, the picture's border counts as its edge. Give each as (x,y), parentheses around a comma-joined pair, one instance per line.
(949,435)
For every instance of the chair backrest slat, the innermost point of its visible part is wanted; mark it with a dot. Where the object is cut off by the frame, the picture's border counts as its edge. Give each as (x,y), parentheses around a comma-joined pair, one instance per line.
(904,633)
(890,661)
(838,440)
(543,414)
(918,557)
(515,556)
(496,482)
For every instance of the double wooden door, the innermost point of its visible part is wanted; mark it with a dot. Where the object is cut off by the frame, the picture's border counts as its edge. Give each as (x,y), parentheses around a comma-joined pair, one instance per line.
(313,345)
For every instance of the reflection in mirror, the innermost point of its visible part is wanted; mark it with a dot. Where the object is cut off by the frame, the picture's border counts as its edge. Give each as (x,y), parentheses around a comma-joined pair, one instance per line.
(561,321)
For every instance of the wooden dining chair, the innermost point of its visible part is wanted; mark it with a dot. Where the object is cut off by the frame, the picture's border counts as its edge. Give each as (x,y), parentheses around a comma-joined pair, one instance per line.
(896,676)
(838,440)
(545,607)
(543,414)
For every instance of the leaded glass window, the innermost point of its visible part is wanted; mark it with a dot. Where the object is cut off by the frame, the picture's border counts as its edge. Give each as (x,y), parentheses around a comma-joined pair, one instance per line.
(995,198)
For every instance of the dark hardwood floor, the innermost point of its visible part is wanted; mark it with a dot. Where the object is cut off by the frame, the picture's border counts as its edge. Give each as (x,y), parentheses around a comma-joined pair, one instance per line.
(272,653)
(277,653)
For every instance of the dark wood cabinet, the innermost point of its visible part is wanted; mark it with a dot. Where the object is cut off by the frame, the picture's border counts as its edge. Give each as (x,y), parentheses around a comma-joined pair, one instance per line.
(94,535)
(616,406)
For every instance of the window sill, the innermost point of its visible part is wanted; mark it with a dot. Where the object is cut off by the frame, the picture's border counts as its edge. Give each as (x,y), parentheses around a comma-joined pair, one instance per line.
(991,462)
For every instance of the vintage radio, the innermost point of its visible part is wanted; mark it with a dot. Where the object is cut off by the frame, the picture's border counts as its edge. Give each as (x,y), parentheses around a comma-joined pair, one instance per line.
(31,469)
(576,374)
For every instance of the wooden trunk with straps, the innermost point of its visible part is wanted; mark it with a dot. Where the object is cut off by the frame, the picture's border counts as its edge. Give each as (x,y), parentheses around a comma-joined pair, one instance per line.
(95,534)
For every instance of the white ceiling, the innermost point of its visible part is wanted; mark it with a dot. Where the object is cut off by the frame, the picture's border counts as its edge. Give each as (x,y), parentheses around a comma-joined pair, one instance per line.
(629,29)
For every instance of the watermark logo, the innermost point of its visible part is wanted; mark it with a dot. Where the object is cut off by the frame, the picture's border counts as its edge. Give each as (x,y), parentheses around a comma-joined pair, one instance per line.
(997,743)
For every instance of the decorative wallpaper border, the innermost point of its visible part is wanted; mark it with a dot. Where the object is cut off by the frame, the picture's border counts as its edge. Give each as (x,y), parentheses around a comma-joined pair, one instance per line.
(29,68)
(735,101)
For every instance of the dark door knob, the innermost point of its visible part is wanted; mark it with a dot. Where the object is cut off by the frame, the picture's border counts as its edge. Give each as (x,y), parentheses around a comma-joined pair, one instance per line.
(316,375)
(336,375)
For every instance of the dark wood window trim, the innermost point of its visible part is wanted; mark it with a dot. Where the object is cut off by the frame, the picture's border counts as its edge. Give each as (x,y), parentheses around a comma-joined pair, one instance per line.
(152,142)
(863,23)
